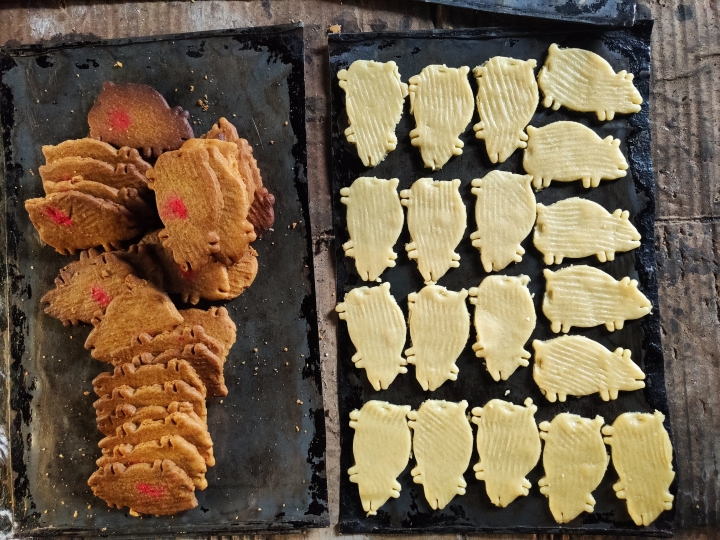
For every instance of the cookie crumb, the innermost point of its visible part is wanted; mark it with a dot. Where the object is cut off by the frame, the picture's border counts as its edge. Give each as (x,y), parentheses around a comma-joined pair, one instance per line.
(192,88)
(285,349)
(286,123)
(255,349)
(297,429)
(117,64)
(75,514)
(299,402)
(86,393)
(335,29)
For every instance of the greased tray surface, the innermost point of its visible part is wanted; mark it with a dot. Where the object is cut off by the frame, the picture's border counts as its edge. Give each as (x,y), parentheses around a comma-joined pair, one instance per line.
(625,49)
(270,450)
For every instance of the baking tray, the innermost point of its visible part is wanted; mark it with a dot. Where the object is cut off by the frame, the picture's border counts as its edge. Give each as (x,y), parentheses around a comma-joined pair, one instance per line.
(270,450)
(624,48)
(605,12)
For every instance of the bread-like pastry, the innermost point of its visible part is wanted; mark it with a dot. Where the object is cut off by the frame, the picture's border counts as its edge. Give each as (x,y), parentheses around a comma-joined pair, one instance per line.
(584,296)
(442,445)
(584,81)
(505,214)
(381,448)
(575,460)
(374,98)
(436,219)
(577,228)
(506,101)
(509,447)
(442,102)
(139,308)
(125,412)
(439,324)
(161,394)
(92,148)
(217,323)
(568,151)
(642,457)
(160,489)
(72,221)
(147,375)
(579,366)
(377,329)
(116,176)
(504,320)
(173,447)
(136,115)
(374,220)
(86,286)
(177,338)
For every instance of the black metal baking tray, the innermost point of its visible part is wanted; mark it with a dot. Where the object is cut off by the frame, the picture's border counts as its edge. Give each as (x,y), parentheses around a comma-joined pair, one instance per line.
(605,12)
(624,48)
(270,450)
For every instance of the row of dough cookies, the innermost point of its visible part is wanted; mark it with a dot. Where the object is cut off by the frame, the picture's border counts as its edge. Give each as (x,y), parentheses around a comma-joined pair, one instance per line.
(509,446)
(439,323)
(505,212)
(441,101)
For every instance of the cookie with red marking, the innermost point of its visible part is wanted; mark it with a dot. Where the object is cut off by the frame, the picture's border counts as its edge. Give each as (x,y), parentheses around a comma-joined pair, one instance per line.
(99,150)
(157,394)
(86,286)
(137,115)
(128,197)
(217,323)
(129,413)
(160,489)
(208,365)
(140,308)
(262,211)
(93,170)
(242,274)
(72,221)
(137,376)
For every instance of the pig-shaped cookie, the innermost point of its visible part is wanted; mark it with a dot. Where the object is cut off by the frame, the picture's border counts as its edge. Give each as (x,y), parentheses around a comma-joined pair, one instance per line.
(577,228)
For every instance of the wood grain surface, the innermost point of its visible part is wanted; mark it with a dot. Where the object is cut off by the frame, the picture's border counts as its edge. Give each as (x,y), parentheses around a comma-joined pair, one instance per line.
(685,109)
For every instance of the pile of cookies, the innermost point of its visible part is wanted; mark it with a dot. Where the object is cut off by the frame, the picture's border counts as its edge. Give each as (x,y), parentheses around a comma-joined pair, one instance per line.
(192,210)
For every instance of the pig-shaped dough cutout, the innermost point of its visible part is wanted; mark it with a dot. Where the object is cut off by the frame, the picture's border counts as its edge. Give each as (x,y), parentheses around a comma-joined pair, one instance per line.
(578,366)
(584,81)
(439,328)
(641,450)
(374,220)
(442,102)
(377,329)
(509,447)
(568,151)
(506,101)
(504,320)
(577,228)
(575,461)
(505,213)
(584,296)
(442,444)
(436,219)
(374,97)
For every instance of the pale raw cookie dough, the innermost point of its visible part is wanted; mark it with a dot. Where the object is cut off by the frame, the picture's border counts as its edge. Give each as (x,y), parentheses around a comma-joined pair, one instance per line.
(578,366)
(506,101)
(436,219)
(381,448)
(374,220)
(504,320)
(568,151)
(584,296)
(374,98)
(577,228)
(377,329)
(442,102)
(575,460)
(442,444)
(439,324)
(584,81)
(505,214)
(508,443)
(642,457)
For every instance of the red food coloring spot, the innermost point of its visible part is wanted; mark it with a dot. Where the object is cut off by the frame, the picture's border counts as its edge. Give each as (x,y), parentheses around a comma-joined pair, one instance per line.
(58,216)
(187,275)
(150,490)
(101,297)
(174,207)
(119,120)
(65,178)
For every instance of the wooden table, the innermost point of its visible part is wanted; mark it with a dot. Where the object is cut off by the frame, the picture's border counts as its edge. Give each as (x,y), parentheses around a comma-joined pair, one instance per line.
(685,105)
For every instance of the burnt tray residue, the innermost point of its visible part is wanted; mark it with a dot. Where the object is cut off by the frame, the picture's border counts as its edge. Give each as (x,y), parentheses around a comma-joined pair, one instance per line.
(624,48)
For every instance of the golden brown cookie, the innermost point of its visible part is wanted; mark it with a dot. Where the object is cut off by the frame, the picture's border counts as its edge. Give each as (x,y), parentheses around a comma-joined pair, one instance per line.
(217,323)
(117,176)
(92,148)
(143,260)
(222,130)
(177,338)
(129,413)
(137,116)
(190,204)
(242,274)
(173,447)
(159,489)
(140,308)
(208,365)
(262,211)
(137,376)
(248,164)
(156,394)
(128,197)
(85,286)
(73,221)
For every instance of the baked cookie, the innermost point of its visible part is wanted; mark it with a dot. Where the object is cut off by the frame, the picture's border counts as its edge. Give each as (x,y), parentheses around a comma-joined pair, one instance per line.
(262,212)
(128,197)
(137,415)
(144,263)
(242,274)
(116,176)
(86,286)
(217,323)
(92,148)
(209,366)
(178,338)
(160,489)
(161,394)
(136,115)
(146,375)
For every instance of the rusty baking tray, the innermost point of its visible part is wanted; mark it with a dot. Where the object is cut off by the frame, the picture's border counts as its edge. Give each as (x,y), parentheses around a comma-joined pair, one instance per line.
(624,48)
(270,450)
